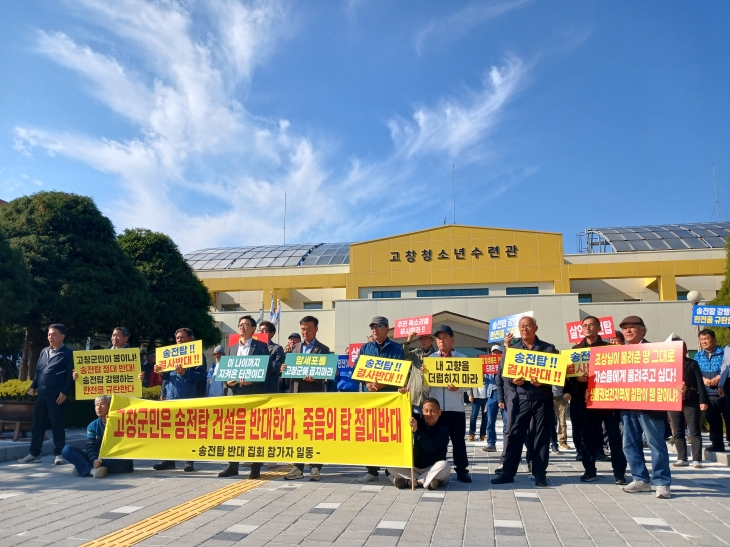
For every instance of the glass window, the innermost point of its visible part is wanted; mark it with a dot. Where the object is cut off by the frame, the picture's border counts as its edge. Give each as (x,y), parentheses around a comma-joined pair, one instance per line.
(230,307)
(585,298)
(431,293)
(313,305)
(514,291)
(682,295)
(386,294)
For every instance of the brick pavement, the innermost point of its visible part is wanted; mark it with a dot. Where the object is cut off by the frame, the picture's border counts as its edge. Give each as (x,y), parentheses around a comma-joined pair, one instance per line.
(41,504)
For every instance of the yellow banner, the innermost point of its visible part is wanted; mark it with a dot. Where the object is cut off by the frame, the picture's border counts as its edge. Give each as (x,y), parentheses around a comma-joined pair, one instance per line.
(336,428)
(391,372)
(189,354)
(107,372)
(546,368)
(576,361)
(457,371)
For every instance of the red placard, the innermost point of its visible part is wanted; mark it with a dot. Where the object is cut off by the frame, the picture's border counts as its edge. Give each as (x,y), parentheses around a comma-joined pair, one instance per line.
(575,329)
(420,325)
(636,377)
(260,336)
(354,352)
(490,363)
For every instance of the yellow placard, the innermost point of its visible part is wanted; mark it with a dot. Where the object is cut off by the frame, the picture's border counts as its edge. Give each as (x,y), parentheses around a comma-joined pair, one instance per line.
(457,371)
(336,428)
(107,372)
(576,361)
(391,372)
(189,354)
(546,368)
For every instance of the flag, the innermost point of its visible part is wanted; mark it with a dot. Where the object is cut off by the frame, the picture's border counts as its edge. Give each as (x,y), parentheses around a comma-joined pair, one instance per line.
(277,314)
(272,310)
(261,314)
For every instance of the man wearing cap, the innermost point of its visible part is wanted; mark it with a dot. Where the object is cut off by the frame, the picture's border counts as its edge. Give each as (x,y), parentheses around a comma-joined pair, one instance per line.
(213,387)
(651,424)
(380,346)
(532,402)
(451,401)
(493,407)
(415,385)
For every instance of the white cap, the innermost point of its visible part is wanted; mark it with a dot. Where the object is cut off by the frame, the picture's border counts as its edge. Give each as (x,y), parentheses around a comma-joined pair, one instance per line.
(497,347)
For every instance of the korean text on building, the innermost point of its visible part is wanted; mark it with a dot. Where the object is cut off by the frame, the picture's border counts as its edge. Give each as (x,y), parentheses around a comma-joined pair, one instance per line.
(250,368)
(576,361)
(575,329)
(500,327)
(545,368)
(189,354)
(370,429)
(638,377)
(107,372)
(711,316)
(455,371)
(392,372)
(419,325)
(320,366)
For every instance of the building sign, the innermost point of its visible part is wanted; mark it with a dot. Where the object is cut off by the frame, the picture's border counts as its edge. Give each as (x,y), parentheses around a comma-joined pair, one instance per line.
(575,329)
(636,377)
(500,327)
(419,325)
(428,255)
(711,316)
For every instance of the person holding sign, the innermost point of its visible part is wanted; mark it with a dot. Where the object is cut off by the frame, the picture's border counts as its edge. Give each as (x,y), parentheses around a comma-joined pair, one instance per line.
(214,388)
(276,352)
(493,407)
(415,385)
(53,382)
(451,400)
(430,443)
(531,401)
(246,346)
(379,346)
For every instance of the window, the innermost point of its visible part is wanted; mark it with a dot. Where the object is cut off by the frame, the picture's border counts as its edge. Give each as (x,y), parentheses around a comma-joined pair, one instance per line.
(230,307)
(632,299)
(452,292)
(682,295)
(585,298)
(313,305)
(386,294)
(513,291)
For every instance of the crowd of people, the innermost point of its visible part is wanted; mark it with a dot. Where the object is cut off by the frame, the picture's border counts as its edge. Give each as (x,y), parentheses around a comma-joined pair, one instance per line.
(533,415)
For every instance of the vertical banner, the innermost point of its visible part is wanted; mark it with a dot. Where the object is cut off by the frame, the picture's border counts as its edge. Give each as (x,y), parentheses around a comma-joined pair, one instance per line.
(546,368)
(500,327)
(358,429)
(575,329)
(636,377)
(107,372)
(187,355)
(420,325)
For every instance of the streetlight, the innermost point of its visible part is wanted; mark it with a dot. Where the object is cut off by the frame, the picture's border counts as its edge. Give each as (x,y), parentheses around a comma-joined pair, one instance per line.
(694,298)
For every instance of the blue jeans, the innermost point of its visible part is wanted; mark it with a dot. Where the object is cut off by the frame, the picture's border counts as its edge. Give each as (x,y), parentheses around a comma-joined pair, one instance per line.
(477,407)
(636,422)
(84,465)
(492,408)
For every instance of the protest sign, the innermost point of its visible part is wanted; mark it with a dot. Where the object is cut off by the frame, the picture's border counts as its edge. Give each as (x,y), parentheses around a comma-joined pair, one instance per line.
(457,371)
(188,354)
(320,366)
(260,336)
(575,329)
(251,368)
(364,429)
(636,377)
(344,369)
(107,372)
(576,361)
(500,327)
(490,363)
(354,352)
(420,325)
(392,372)
(711,316)
(546,368)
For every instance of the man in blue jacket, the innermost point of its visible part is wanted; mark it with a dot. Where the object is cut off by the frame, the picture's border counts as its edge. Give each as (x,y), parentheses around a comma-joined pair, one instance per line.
(53,382)
(181,383)
(87,462)
(380,346)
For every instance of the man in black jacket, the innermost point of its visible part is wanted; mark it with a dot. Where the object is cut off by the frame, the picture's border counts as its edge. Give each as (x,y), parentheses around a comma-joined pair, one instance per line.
(532,400)
(277,355)
(245,346)
(430,443)
(53,382)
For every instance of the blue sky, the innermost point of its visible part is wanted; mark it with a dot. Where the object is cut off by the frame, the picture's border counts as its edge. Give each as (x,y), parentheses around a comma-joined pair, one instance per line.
(195,117)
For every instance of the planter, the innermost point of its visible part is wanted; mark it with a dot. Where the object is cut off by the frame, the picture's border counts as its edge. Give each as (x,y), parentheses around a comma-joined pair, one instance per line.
(16,415)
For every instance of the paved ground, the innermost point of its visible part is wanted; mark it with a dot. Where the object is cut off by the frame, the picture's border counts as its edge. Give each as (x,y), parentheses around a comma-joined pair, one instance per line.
(44,504)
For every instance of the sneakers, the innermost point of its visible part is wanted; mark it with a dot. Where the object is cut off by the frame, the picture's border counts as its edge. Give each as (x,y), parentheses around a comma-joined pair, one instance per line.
(29,459)
(470,438)
(367,477)
(565,446)
(697,465)
(99,473)
(314,474)
(588,477)
(294,474)
(636,486)
(58,460)
(680,463)
(434,484)
(663,492)
(490,448)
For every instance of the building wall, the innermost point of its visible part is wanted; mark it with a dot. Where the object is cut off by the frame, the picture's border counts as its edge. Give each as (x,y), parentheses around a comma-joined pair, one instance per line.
(495,289)
(644,289)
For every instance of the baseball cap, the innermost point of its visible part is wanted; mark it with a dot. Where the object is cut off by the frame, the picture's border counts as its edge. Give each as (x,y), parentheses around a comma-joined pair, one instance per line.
(378,319)
(632,319)
(295,335)
(219,349)
(443,328)
(497,347)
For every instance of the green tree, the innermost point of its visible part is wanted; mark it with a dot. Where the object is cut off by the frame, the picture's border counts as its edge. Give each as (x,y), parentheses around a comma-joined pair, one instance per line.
(80,275)
(181,299)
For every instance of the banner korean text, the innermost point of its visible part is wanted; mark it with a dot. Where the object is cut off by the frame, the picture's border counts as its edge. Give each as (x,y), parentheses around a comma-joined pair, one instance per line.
(711,316)
(107,372)
(575,329)
(490,363)
(576,361)
(188,354)
(500,327)
(250,368)
(457,371)
(392,372)
(419,325)
(546,368)
(320,366)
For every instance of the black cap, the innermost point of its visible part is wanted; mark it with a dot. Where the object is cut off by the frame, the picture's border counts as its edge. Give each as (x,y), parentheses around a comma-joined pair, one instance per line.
(378,319)
(444,328)
(295,335)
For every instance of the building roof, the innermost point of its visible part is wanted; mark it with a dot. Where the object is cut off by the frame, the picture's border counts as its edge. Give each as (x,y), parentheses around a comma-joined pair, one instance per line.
(270,256)
(664,237)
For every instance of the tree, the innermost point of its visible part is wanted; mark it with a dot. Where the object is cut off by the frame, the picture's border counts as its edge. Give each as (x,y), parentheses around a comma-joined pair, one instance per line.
(80,275)
(181,299)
